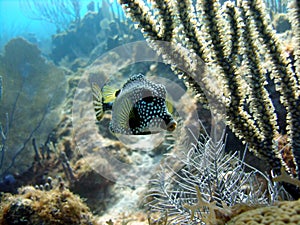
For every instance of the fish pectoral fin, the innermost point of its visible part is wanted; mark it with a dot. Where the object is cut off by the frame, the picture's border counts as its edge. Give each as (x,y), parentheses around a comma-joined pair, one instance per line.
(124,114)
(109,93)
(97,101)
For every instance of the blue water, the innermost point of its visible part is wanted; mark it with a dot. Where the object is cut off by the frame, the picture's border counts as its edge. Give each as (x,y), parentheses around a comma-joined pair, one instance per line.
(15,22)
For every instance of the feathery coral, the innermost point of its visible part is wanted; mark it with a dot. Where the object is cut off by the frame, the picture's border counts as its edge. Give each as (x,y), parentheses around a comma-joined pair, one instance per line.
(207,180)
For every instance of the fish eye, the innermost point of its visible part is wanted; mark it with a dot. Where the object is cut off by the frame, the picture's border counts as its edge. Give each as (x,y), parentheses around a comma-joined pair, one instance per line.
(172,126)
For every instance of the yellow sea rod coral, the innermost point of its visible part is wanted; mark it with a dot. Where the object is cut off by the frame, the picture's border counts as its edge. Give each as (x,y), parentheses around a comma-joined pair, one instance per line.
(287,212)
(243,51)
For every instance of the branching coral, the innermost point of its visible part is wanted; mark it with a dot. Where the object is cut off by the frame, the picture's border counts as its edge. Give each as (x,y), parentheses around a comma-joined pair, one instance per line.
(243,52)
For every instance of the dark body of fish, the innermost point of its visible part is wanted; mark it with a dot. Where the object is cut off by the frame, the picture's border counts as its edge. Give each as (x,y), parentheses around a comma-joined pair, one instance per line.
(139,107)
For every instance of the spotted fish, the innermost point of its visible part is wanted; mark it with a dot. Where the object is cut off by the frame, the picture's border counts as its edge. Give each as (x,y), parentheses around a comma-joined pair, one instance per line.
(138,108)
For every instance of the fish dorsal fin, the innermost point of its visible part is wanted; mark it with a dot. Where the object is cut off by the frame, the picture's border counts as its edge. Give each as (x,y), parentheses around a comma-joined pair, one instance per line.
(97,101)
(109,94)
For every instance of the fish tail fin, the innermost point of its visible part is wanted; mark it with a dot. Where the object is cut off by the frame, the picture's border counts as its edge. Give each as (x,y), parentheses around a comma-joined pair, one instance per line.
(97,101)
(109,93)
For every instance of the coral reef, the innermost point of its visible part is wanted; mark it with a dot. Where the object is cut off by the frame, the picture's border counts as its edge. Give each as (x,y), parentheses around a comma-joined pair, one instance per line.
(243,52)
(206,175)
(106,167)
(30,105)
(96,33)
(135,218)
(90,185)
(199,183)
(286,212)
(251,71)
(54,207)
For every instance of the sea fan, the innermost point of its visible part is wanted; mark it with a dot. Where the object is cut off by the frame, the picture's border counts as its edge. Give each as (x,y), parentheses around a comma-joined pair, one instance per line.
(206,172)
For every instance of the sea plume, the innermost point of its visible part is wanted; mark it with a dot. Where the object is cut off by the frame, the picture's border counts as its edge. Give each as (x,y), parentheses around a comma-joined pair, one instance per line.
(206,180)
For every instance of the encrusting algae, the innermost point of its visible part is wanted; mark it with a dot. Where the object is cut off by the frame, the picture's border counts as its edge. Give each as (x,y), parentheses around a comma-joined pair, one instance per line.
(54,207)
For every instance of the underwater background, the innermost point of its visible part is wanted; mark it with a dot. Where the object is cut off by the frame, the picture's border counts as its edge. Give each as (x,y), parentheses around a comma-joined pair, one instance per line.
(19,22)
(225,163)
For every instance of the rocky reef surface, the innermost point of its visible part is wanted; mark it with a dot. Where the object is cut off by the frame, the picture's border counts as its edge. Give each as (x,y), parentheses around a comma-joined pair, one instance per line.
(49,131)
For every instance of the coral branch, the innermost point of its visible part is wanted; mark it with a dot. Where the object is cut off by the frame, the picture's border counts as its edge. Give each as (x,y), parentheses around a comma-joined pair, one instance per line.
(284,177)
(242,50)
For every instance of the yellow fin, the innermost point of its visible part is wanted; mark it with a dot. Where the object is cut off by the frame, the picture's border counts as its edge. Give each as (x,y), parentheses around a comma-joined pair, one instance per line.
(97,101)
(109,94)
(169,105)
